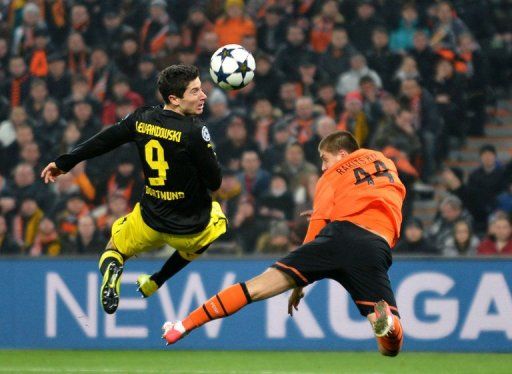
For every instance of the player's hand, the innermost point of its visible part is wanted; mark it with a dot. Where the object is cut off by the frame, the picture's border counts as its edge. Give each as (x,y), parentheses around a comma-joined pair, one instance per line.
(51,172)
(307,213)
(294,300)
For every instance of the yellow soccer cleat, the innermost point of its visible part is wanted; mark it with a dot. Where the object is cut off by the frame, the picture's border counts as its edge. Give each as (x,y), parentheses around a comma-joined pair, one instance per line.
(147,286)
(110,288)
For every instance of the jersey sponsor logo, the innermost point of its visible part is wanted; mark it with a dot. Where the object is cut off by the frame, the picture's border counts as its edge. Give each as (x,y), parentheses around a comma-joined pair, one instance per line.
(165,195)
(158,132)
(206,134)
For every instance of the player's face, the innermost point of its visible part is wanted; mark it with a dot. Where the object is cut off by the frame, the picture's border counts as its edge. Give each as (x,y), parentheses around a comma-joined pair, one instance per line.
(329,159)
(192,102)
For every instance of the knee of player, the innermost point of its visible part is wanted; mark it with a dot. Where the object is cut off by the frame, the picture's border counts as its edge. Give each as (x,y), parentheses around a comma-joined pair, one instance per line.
(389,353)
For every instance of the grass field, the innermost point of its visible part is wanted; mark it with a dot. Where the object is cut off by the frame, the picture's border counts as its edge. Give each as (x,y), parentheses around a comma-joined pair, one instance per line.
(234,362)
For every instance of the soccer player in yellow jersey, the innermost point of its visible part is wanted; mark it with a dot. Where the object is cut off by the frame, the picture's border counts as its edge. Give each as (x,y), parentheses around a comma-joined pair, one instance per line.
(180,170)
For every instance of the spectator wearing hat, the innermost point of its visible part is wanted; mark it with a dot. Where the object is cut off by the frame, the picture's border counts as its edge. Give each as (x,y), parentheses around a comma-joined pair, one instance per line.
(349,81)
(499,240)
(23,35)
(58,79)
(234,24)
(237,141)
(414,240)
(462,242)
(336,59)
(295,49)
(145,79)
(7,245)
(450,210)
(271,31)
(483,186)
(17,86)
(155,28)
(353,118)
(195,28)
(128,56)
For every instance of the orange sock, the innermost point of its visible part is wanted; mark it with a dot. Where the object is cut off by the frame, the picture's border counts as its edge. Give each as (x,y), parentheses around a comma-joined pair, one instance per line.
(225,303)
(392,342)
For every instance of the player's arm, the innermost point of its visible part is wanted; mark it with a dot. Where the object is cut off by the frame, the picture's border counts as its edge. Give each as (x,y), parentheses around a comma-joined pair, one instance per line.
(205,159)
(101,143)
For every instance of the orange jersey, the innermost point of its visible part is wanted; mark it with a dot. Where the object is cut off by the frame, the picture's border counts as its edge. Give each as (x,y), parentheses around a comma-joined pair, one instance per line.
(364,189)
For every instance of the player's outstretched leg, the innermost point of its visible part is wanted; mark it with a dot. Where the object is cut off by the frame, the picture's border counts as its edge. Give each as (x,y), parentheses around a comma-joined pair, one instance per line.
(111,266)
(149,284)
(223,304)
(388,329)
(228,301)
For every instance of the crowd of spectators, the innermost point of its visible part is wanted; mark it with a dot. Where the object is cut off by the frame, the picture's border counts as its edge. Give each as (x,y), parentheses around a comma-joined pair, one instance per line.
(410,78)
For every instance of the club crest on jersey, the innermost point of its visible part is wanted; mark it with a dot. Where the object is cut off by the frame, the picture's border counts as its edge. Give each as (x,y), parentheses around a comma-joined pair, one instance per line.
(206,134)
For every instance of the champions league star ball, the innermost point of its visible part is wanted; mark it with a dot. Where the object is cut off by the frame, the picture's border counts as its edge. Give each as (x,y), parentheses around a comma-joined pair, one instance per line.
(232,67)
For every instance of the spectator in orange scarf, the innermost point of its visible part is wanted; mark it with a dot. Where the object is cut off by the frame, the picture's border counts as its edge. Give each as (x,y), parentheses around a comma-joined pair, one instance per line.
(232,27)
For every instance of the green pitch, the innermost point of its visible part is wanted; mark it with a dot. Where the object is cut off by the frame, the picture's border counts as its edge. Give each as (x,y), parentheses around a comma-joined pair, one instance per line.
(233,362)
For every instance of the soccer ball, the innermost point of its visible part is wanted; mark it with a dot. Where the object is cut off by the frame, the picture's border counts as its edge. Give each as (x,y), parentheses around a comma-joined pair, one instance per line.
(232,67)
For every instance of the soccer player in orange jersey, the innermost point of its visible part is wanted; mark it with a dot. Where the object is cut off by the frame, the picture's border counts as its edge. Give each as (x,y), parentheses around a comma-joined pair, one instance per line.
(354,224)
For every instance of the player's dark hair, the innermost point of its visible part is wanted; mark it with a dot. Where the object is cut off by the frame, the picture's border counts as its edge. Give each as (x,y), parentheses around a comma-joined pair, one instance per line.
(174,79)
(337,141)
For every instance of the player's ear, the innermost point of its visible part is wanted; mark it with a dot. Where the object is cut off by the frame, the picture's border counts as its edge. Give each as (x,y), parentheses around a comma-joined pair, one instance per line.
(174,100)
(342,153)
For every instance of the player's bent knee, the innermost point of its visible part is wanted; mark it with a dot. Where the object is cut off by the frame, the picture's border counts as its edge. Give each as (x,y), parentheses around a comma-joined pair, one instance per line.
(270,283)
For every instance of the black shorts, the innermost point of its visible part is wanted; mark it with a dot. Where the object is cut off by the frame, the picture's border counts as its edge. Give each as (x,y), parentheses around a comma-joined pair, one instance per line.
(356,258)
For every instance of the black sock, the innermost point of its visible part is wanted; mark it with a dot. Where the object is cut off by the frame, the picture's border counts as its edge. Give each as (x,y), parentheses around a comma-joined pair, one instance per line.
(106,262)
(174,264)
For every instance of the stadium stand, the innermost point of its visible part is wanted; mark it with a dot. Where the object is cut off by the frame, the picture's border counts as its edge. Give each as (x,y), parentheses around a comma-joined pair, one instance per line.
(426,82)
